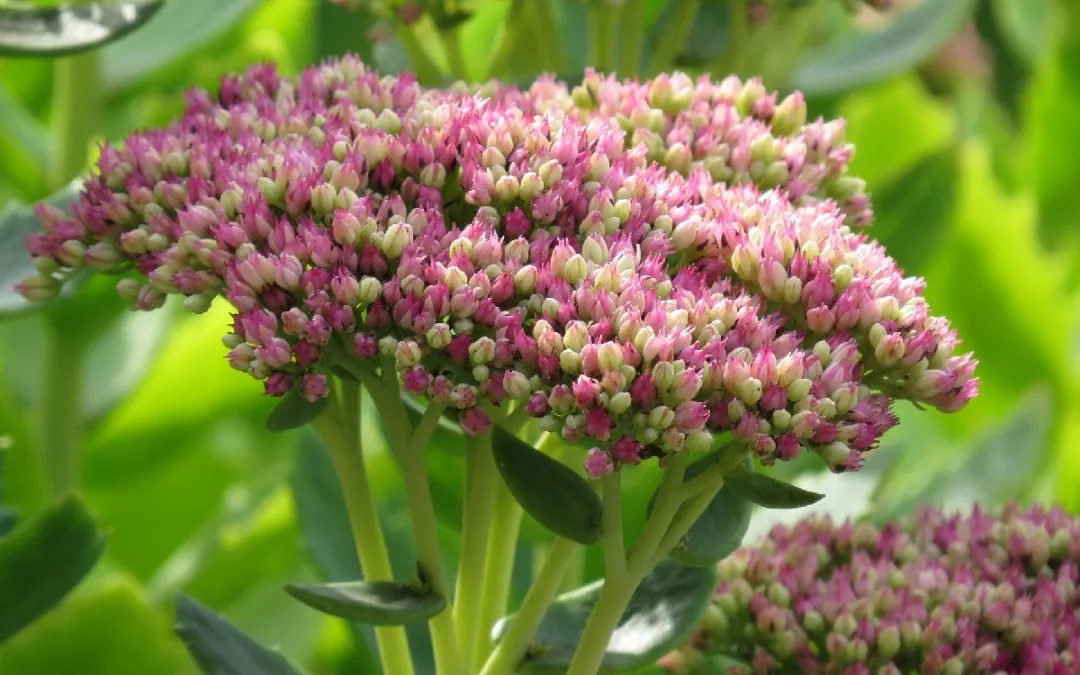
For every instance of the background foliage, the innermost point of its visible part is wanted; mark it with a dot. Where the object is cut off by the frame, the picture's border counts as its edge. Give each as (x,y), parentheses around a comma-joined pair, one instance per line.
(963,113)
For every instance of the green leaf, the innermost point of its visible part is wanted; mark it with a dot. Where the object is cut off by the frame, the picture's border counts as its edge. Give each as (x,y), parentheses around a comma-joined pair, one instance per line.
(295,411)
(221,648)
(8,516)
(180,28)
(378,603)
(661,615)
(1028,25)
(336,30)
(110,628)
(915,211)
(15,261)
(69,29)
(720,529)
(548,490)
(42,561)
(867,57)
(769,492)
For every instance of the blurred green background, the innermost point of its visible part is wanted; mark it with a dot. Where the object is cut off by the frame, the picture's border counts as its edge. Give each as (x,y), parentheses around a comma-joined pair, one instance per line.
(966,121)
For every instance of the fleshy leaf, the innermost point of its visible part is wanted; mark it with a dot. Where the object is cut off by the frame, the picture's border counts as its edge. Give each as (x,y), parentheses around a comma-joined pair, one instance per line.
(548,490)
(907,41)
(769,492)
(42,561)
(220,648)
(662,614)
(294,411)
(379,603)
(69,29)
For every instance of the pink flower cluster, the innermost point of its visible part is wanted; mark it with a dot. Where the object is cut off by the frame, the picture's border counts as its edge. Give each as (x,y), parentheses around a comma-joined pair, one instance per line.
(510,248)
(943,594)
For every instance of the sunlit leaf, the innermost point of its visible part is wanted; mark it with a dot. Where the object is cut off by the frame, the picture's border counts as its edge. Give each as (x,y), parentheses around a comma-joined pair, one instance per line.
(42,561)
(909,39)
(548,490)
(221,648)
(377,603)
(68,29)
(662,613)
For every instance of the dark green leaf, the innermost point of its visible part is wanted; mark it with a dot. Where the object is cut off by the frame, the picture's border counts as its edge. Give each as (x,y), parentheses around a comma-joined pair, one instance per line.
(868,57)
(23,130)
(221,648)
(548,490)
(378,603)
(769,492)
(661,615)
(915,211)
(337,28)
(42,561)
(8,519)
(69,29)
(15,261)
(181,27)
(294,411)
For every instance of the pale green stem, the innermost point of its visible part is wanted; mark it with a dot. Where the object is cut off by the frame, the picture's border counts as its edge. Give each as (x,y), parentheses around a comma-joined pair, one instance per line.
(740,33)
(687,516)
(451,39)
(75,116)
(674,36)
(631,38)
(546,24)
(614,546)
(498,570)
(519,634)
(427,73)
(343,441)
(481,481)
(602,28)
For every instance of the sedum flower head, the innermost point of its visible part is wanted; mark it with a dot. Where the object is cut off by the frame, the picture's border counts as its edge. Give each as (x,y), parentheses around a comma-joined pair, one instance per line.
(505,249)
(978,593)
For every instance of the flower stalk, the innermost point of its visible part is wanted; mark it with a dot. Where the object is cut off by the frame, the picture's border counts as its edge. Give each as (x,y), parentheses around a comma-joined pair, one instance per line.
(481,482)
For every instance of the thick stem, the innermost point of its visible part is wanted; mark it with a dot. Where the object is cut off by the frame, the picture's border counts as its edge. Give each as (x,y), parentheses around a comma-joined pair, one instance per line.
(688,515)
(76,112)
(674,36)
(481,481)
(614,547)
(740,33)
(451,39)
(61,412)
(498,570)
(343,442)
(602,28)
(609,608)
(425,530)
(631,38)
(427,73)
(519,634)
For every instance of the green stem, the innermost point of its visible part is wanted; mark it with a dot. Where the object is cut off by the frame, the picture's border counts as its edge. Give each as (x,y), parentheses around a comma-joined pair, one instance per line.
(451,39)
(688,515)
(519,634)
(740,32)
(631,38)
(602,29)
(609,608)
(427,73)
(668,501)
(61,413)
(425,530)
(499,64)
(546,23)
(481,481)
(614,547)
(343,442)
(498,570)
(674,37)
(76,113)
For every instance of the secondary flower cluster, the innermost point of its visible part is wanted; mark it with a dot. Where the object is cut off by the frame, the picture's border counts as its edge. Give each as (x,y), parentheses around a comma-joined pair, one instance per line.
(978,593)
(503,249)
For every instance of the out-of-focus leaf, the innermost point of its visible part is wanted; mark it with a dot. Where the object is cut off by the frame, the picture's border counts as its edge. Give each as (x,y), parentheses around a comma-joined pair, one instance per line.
(909,39)
(68,29)
(294,411)
(1028,25)
(221,648)
(548,490)
(108,629)
(8,516)
(15,262)
(23,129)
(377,603)
(892,126)
(179,28)
(340,30)
(1001,465)
(42,561)
(914,212)
(662,613)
